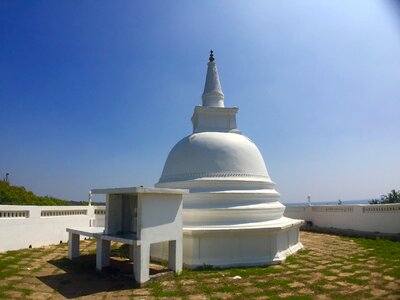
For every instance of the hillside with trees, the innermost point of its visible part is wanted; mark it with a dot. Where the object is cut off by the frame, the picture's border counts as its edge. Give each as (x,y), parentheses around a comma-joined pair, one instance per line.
(18,195)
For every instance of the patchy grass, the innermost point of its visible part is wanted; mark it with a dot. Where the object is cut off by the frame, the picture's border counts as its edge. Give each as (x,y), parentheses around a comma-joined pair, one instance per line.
(303,275)
(9,263)
(330,267)
(385,251)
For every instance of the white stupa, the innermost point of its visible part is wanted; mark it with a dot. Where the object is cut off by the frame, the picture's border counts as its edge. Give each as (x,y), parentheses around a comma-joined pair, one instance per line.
(232,215)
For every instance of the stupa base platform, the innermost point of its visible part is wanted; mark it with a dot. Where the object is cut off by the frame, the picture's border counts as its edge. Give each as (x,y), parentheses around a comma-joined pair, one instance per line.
(253,244)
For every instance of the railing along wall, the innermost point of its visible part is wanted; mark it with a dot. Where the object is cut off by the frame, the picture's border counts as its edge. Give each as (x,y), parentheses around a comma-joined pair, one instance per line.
(383,218)
(63,213)
(390,208)
(14,214)
(24,226)
(339,208)
(34,226)
(100,211)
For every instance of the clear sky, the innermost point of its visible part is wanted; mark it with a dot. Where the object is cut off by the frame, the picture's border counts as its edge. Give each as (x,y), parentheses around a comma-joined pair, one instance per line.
(96,93)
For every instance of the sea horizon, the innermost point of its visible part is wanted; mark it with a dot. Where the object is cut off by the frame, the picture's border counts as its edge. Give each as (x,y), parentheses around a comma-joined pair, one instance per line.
(344,202)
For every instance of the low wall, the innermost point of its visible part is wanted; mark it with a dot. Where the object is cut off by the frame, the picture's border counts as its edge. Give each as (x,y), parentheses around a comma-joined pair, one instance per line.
(382,218)
(25,226)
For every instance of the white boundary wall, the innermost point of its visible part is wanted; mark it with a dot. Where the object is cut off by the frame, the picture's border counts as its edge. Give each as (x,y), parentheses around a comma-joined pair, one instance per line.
(23,226)
(383,218)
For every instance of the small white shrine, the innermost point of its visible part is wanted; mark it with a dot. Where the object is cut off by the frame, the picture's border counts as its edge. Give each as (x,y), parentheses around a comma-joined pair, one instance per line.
(232,215)
(138,217)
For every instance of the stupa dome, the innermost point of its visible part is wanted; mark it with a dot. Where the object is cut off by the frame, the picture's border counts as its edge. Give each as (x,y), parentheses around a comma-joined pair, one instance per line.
(203,155)
(232,215)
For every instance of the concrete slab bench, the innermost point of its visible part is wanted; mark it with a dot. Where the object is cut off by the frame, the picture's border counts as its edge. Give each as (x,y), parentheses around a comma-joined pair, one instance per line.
(74,238)
(138,217)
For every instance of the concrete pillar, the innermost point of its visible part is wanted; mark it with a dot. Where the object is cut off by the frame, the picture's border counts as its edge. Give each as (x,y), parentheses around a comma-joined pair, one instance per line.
(175,255)
(102,254)
(130,252)
(141,262)
(73,245)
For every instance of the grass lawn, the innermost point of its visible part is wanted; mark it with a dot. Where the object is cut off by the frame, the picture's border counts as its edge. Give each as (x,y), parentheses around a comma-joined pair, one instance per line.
(330,267)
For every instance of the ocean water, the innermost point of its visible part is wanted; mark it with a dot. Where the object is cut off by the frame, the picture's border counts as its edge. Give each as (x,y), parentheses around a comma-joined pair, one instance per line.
(344,202)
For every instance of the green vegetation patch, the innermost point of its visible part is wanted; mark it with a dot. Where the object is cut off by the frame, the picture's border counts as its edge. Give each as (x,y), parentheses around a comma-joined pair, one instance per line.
(384,251)
(297,278)
(18,195)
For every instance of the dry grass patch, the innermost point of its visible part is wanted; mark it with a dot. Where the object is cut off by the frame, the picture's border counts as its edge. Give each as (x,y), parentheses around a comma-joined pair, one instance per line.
(331,267)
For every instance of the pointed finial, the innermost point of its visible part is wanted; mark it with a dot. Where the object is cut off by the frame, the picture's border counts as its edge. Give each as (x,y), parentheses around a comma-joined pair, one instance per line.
(212,95)
(211,56)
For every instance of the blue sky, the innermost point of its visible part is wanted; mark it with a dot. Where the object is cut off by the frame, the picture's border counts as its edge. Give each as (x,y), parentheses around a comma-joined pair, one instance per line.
(96,93)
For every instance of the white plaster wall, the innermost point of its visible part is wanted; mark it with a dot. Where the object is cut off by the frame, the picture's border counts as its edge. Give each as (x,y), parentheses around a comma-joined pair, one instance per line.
(296,212)
(160,217)
(384,218)
(22,226)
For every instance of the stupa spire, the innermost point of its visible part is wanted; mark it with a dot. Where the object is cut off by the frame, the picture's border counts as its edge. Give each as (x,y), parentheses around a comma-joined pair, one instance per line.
(212,95)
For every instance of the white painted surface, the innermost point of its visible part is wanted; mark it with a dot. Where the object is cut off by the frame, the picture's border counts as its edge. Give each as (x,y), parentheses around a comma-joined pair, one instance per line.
(160,218)
(212,94)
(73,245)
(141,217)
(214,119)
(232,215)
(383,218)
(151,214)
(22,226)
(221,155)
(138,190)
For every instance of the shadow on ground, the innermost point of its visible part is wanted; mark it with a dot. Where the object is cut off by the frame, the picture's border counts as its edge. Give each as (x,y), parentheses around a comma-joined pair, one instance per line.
(82,279)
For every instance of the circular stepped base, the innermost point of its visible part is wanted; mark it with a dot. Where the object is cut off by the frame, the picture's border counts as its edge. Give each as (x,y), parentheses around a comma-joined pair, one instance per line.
(253,244)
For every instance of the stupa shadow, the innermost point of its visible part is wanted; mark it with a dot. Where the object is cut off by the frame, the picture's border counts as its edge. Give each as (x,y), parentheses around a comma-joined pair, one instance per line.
(82,279)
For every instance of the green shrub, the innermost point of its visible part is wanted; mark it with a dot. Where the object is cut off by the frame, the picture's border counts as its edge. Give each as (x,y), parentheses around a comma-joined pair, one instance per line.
(18,195)
(392,197)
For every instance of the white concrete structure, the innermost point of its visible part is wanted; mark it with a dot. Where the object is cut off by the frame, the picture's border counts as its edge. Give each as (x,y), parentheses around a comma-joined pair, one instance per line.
(382,218)
(22,226)
(74,236)
(138,217)
(232,215)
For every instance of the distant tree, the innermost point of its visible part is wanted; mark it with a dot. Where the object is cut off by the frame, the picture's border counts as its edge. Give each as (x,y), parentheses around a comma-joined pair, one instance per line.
(375,201)
(392,197)
(18,195)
